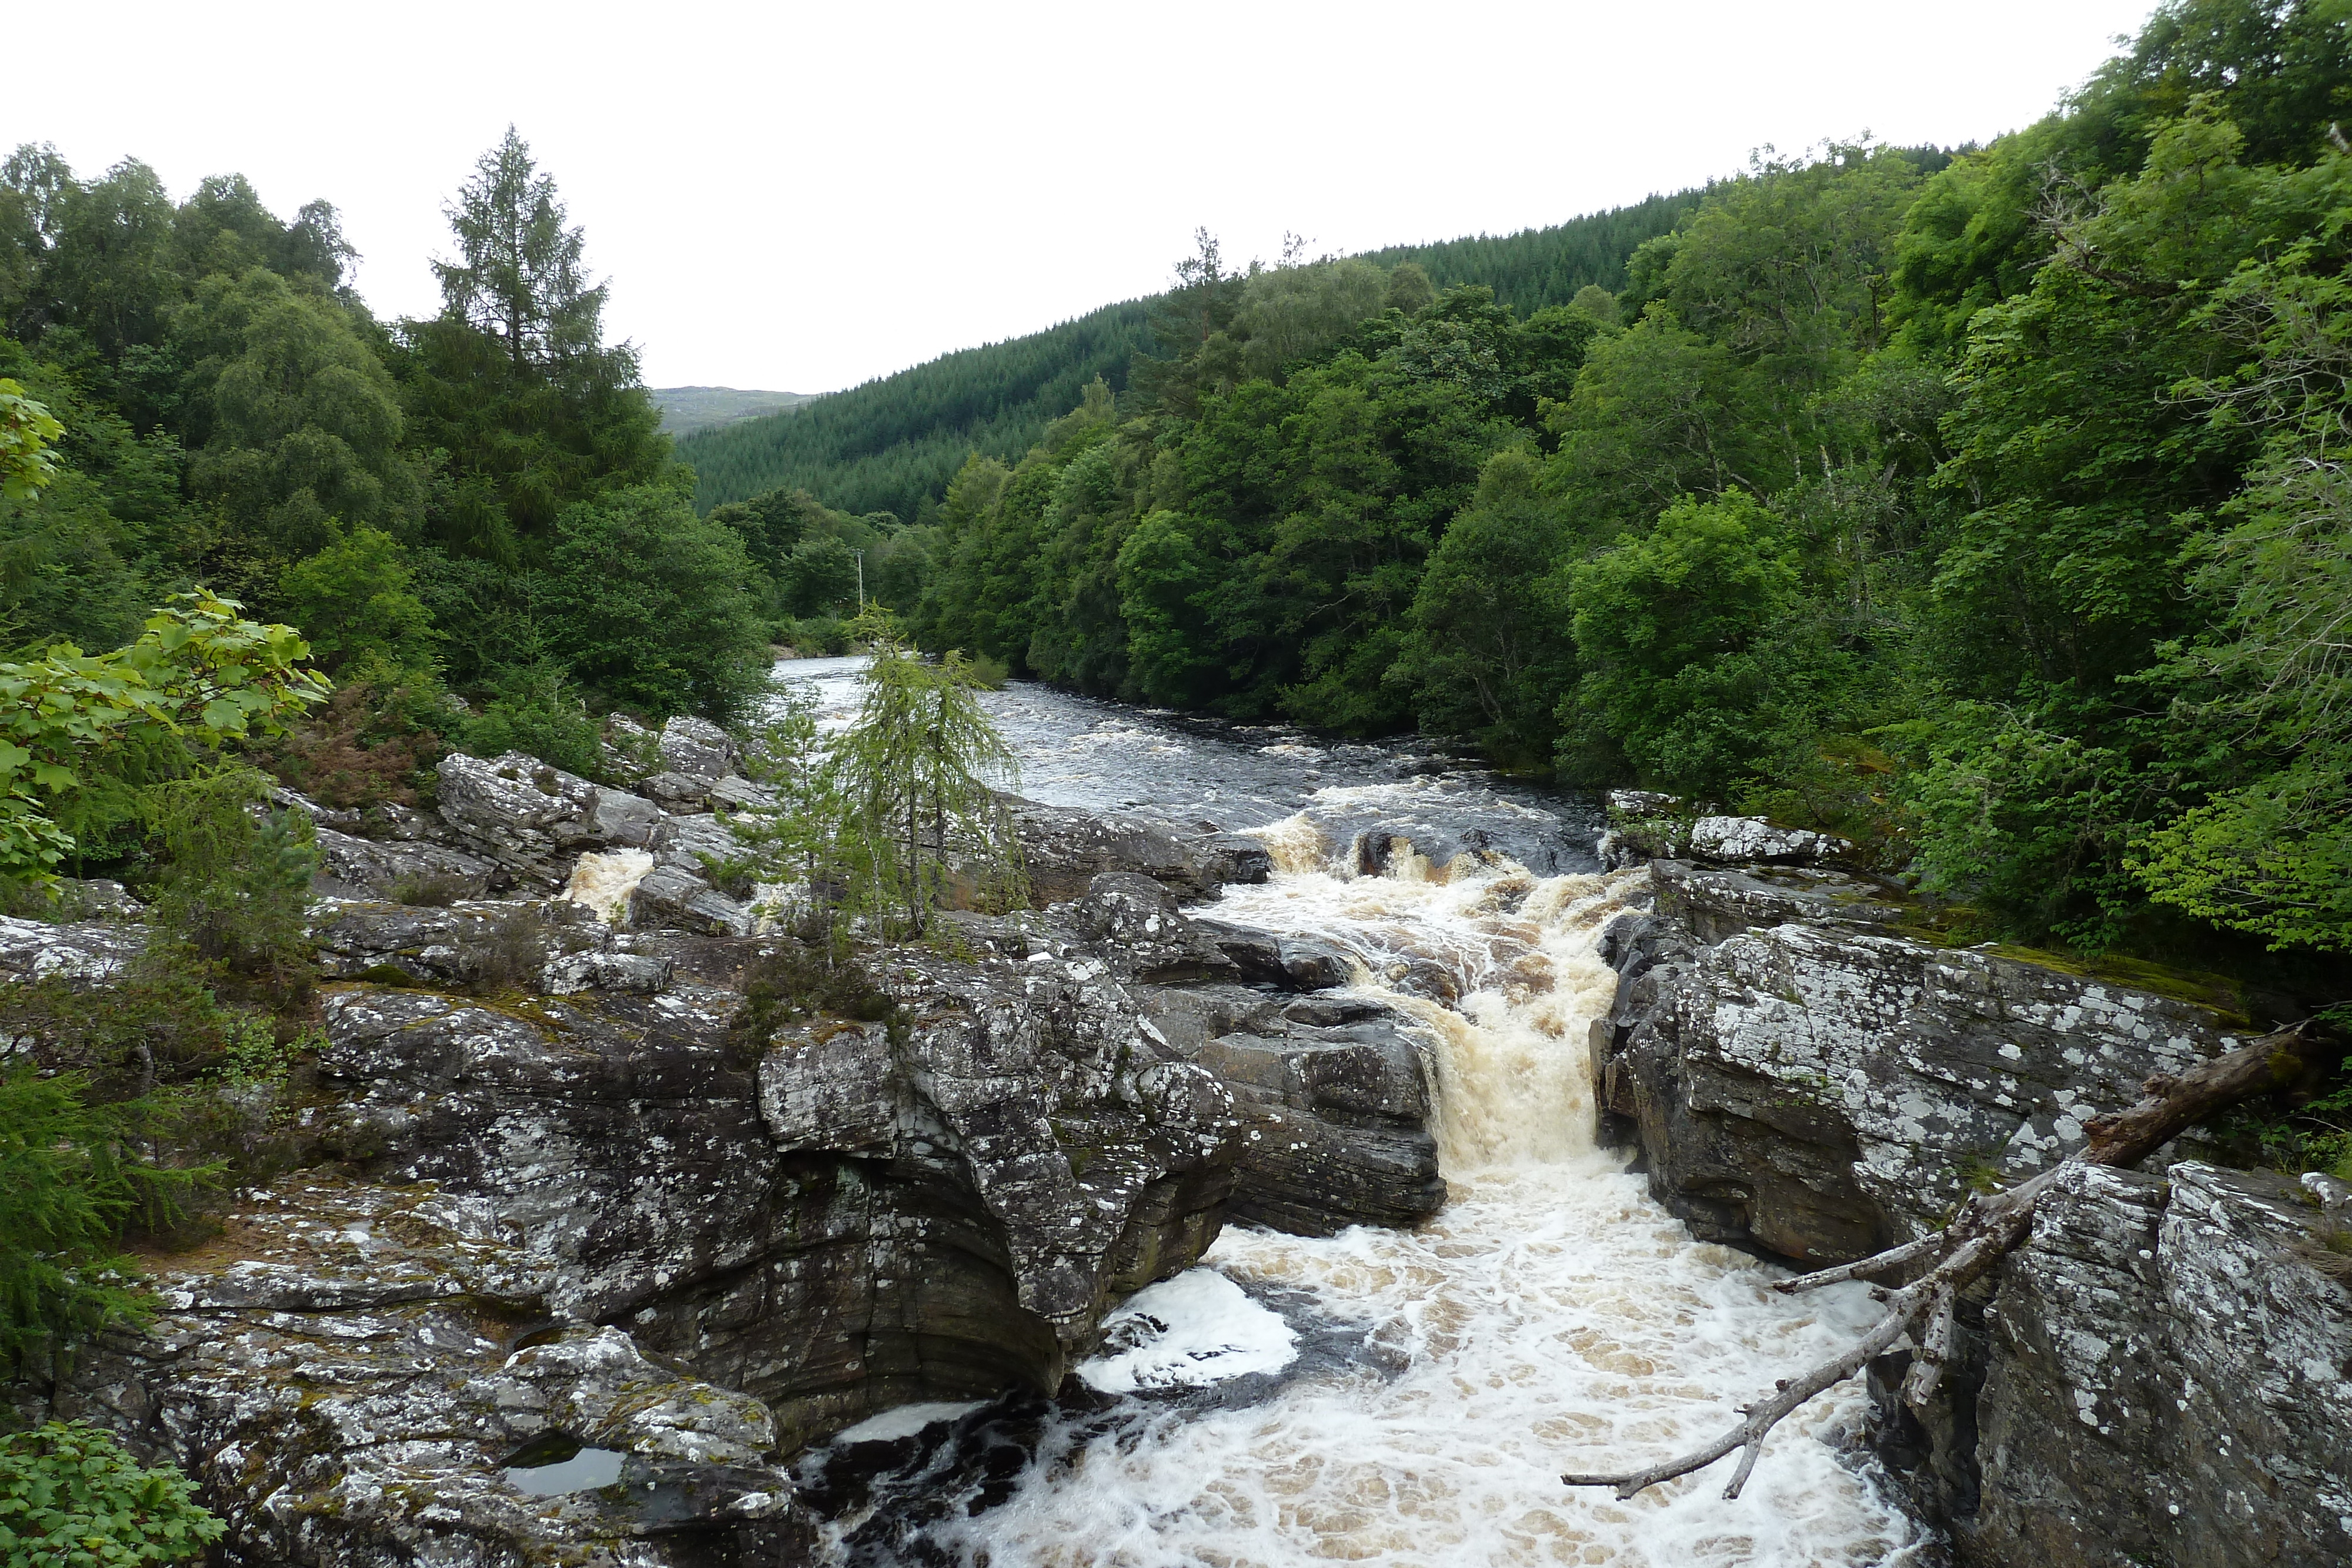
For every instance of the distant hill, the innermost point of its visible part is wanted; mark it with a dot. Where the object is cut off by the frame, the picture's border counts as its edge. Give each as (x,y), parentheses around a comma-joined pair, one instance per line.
(888,445)
(893,442)
(685,410)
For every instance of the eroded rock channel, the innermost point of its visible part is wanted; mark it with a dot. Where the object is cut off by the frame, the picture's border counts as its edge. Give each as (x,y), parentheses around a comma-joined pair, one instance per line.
(1319,1050)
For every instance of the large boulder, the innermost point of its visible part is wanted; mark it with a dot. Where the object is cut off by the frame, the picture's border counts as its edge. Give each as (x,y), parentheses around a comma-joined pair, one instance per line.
(409,870)
(535,820)
(833,1216)
(2164,1377)
(87,952)
(698,747)
(680,890)
(1335,1092)
(1805,1079)
(1065,849)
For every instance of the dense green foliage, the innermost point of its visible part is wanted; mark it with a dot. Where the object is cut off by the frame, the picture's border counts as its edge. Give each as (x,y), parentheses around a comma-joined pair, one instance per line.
(195,397)
(70,1498)
(1539,267)
(69,1181)
(194,402)
(893,443)
(1989,508)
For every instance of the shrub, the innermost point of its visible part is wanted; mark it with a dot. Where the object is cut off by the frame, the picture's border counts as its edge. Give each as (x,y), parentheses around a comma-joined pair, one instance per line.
(539,712)
(237,882)
(373,742)
(648,604)
(70,1498)
(355,602)
(69,1181)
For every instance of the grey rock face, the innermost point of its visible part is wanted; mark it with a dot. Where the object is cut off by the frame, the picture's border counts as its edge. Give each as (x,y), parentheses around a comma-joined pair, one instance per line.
(347,1372)
(1339,1101)
(352,867)
(1066,849)
(82,950)
(96,898)
(1644,825)
(533,819)
(1819,1090)
(1752,841)
(1334,1092)
(601,1196)
(510,942)
(676,791)
(1023,1153)
(698,747)
(678,893)
(2166,1380)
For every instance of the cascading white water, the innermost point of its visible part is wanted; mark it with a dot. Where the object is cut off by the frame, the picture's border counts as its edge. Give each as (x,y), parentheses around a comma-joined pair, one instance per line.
(1552,1318)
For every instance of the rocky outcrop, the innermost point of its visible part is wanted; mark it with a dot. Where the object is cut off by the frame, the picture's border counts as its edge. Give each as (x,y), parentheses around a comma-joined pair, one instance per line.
(2164,1377)
(533,820)
(1065,849)
(698,747)
(349,1370)
(669,1194)
(680,890)
(1335,1092)
(1802,1077)
(86,951)
(1644,825)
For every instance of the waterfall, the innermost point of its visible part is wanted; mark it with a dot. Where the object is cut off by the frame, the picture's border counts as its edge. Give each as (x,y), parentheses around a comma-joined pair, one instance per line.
(1551,1318)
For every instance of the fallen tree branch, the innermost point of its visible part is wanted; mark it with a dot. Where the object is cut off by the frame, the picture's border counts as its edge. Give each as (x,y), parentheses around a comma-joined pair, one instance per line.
(1987,1228)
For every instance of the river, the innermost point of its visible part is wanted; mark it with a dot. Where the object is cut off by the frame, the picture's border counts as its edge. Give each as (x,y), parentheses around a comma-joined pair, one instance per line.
(1405,1398)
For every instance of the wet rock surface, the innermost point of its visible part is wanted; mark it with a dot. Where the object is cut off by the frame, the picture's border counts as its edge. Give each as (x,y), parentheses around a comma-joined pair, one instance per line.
(1065,849)
(564,1184)
(349,1370)
(2164,1376)
(1802,1078)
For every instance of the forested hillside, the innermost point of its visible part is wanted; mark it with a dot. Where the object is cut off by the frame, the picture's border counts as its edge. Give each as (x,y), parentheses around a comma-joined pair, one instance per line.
(1989,510)
(891,444)
(1536,268)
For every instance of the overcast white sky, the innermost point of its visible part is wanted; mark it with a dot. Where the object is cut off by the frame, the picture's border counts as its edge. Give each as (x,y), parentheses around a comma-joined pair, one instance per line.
(801,197)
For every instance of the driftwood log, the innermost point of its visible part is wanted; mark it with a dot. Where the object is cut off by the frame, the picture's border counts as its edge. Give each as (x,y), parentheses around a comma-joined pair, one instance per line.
(1986,1228)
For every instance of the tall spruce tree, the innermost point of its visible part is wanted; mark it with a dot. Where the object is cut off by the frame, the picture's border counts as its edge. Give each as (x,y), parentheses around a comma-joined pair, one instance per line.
(512,385)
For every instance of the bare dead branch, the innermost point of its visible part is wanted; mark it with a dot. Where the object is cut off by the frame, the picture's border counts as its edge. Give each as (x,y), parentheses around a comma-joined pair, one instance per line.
(1987,1228)
(1934,1348)
(1878,1263)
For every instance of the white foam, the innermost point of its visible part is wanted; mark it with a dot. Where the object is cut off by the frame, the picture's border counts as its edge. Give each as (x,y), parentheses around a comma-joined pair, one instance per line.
(904,1421)
(1552,1318)
(1199,1327)
(603,880)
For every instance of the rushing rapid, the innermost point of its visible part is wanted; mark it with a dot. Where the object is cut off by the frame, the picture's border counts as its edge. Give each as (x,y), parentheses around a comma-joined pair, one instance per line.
(1551,1318)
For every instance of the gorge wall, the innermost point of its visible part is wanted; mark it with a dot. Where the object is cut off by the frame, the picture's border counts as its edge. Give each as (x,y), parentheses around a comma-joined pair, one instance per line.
(2163,1374)
(674,1192)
